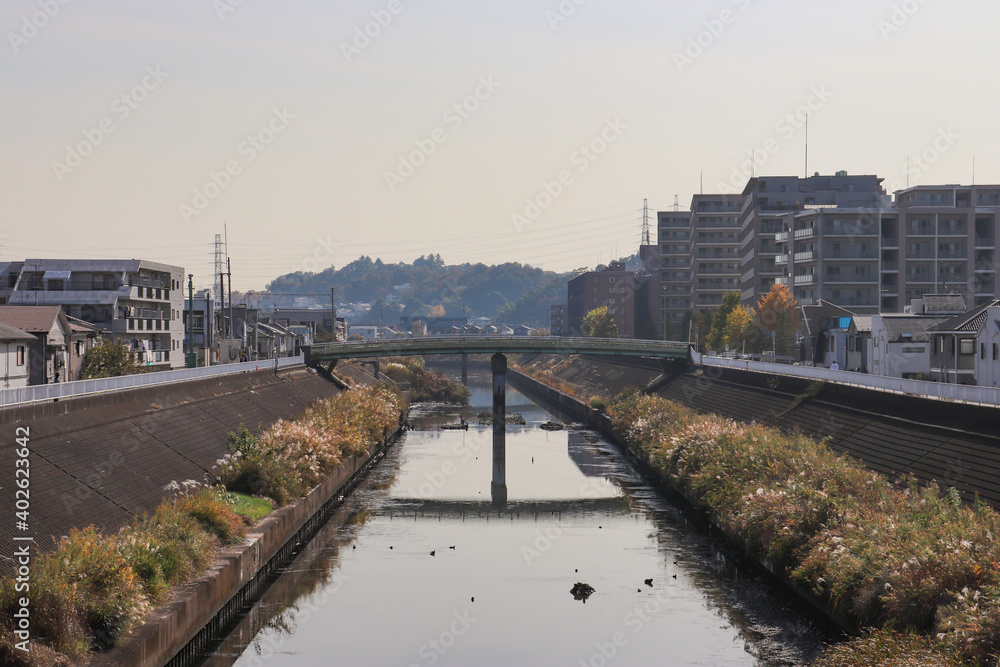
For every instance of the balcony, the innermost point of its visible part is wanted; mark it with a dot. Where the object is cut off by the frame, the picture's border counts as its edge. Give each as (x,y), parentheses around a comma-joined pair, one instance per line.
(781,260)
(890,267)
(805,233)
(852,279)
(781,237)
(857,254)
(984,242)
(889,242)
(781,280)
(805,280)
(806,256)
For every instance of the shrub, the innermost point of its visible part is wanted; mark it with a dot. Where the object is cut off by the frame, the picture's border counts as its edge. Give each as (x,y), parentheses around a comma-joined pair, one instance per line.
(213,511)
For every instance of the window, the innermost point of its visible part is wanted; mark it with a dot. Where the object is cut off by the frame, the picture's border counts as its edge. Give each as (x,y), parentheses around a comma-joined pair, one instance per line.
(996,351)
(982,351)
(20,355)
(967,346)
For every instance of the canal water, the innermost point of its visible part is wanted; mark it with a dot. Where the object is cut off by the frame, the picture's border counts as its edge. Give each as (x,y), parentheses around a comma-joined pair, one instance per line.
(419,567)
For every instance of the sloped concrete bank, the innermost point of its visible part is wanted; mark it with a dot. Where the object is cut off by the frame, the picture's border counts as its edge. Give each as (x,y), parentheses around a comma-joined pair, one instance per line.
(602,423)
(201,612)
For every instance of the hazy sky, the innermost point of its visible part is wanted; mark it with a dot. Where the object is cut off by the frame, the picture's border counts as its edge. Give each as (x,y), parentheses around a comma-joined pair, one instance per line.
(138,129)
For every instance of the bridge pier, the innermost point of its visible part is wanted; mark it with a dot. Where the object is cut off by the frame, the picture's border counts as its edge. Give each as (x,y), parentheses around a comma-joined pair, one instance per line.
(498,487)
(465,369)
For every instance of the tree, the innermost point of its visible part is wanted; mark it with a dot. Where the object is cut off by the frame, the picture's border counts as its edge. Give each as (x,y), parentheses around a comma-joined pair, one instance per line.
(739,324)
(599,323)
(778,316)
(717,336)
(107,359)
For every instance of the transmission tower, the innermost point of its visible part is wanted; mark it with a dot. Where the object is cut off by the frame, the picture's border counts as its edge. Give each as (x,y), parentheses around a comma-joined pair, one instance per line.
(677,203)
(645,222)
(219,268)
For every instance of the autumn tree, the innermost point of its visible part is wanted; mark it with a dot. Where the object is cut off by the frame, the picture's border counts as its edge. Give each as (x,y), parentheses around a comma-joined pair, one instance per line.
(108,358)
(717,335)
(778,317)
(738,328)
(599,323)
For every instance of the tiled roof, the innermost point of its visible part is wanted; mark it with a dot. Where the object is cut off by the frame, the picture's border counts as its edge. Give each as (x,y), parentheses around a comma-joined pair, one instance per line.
(32,319)
(916,325)
(13,333)
(970,322)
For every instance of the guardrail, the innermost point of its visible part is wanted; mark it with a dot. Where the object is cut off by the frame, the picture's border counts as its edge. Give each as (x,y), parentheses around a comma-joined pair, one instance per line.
(66,390)
(960,393)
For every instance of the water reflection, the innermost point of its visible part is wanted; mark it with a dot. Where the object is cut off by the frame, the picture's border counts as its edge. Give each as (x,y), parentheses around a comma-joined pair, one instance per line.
(419,568)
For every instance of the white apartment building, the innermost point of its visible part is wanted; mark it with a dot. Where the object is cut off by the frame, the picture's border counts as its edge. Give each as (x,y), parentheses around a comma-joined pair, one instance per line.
(137,301)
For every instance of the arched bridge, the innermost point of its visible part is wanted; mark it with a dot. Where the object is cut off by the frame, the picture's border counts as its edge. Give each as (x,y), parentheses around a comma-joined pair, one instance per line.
(323,354)
(327,355)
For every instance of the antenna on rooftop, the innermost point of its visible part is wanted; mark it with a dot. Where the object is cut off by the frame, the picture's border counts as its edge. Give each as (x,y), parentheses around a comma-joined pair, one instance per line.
(807,146)
(677,203)
(218,268)
(645,222)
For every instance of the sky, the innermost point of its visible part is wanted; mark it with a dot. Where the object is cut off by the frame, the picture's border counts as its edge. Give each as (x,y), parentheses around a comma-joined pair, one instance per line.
(310,133)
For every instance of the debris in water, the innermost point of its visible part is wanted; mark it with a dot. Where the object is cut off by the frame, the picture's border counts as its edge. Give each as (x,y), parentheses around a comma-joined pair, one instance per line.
(582,591)
(649,582)
(433,552)
(551,426)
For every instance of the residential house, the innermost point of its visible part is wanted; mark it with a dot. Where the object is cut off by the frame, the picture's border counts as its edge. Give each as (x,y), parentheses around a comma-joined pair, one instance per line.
(900,344)
(50,350)
(14,356)
(959,345)
(83,336)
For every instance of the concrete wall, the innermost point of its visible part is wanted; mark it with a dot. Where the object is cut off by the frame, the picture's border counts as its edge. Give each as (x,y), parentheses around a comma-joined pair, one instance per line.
(104,460)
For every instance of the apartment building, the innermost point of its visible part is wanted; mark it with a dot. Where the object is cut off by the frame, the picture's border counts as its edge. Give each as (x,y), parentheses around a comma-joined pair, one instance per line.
(673,234)
(137,301)
(941,239)
(782,225)
(612,286)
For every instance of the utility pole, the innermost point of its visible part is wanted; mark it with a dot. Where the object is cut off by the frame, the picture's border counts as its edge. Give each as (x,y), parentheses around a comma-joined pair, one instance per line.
(333,308)
(192,361)
(229,279)
(219,297)
(222,304)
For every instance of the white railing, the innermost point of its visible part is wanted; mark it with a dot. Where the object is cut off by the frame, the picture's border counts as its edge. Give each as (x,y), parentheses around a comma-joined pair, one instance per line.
(66,390)
(937,390)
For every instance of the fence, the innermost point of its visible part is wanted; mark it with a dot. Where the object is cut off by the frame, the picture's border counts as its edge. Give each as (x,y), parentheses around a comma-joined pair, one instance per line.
(51,392)
(936,390)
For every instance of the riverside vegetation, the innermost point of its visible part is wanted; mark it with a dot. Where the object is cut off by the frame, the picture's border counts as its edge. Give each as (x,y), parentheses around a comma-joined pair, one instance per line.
(916,568)
(93,589)
(425,385)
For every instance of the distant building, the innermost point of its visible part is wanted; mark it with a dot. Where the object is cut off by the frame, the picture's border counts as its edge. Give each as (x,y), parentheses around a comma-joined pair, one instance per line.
(610,286)
(204,329)
(557,320)
(14,356)
(137,301)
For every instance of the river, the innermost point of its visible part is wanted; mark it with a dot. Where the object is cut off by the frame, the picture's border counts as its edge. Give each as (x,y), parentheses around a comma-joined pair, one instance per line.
(418,567)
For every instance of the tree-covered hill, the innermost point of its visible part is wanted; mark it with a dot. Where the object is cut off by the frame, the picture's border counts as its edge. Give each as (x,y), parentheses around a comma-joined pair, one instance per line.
(513,291)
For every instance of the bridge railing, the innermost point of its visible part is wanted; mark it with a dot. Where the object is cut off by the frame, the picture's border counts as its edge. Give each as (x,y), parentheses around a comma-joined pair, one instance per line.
(460,343)
(66,390)
(937,390)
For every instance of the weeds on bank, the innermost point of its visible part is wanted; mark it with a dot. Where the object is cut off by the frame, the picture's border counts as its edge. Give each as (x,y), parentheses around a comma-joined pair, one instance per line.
(915,565)
(291,457)
(425,385)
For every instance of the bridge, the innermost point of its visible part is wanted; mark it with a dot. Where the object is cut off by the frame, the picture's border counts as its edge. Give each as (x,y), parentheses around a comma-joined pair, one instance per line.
(326,355)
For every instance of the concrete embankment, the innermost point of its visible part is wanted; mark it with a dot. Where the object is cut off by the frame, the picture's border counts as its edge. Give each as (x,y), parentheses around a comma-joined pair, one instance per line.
(950,443)
(104,460)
